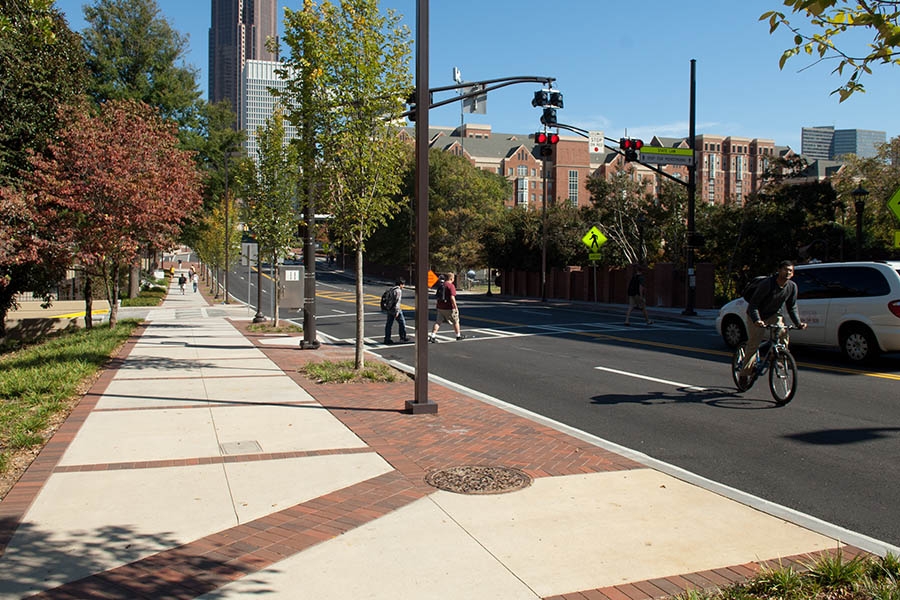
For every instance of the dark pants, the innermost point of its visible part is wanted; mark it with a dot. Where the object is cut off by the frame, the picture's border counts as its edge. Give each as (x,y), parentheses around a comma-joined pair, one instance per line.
(390,324)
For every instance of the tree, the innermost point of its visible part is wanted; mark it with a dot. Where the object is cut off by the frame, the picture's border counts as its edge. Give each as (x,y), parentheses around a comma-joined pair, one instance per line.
(111,183)
(834,17)
(619,205)
(270,196)
(350,67)
(41,68)
(463,200)
(133,54)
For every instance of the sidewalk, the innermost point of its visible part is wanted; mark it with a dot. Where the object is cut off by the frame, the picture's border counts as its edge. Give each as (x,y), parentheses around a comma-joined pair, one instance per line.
(202,465)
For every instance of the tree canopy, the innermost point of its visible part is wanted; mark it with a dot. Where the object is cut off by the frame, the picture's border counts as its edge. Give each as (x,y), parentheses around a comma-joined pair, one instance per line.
(112,182)
(133,53)
(831,18)
(41,67)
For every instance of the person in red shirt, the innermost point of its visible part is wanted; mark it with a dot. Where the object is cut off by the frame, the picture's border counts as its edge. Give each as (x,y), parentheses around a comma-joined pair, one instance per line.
(447,310)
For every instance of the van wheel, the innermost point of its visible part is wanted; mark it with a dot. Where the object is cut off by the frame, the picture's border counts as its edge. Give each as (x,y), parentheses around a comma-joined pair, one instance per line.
(859,344)
(733,332)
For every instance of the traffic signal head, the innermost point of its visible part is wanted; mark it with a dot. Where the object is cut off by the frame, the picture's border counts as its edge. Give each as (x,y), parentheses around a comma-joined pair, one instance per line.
(549,116)
(545,141)
(630,148)
(556,99)
(541,98)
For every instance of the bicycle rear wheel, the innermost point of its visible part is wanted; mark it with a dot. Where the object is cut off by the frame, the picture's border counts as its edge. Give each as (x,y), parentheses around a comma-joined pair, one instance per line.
(783,377)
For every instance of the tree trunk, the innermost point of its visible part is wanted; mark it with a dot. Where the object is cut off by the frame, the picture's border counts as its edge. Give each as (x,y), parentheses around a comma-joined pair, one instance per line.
(88,302)
(360,311)
(113,298)
(275,289)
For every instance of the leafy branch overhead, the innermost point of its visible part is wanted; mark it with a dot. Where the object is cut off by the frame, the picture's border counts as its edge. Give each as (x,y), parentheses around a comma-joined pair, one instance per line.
(833,18)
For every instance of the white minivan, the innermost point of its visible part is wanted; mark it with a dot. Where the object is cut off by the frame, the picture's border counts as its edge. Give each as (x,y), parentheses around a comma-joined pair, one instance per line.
(854,306)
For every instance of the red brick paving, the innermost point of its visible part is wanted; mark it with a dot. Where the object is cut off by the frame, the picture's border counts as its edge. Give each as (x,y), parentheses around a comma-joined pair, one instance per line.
(464,432)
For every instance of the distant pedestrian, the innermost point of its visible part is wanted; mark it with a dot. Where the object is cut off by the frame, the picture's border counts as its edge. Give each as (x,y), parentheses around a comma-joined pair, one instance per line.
(196,281)
(447,309)
(395,312)
(181,281)
(637,290)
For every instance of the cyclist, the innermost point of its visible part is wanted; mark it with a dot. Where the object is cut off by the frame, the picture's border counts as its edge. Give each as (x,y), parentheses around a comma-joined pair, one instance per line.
(764,308)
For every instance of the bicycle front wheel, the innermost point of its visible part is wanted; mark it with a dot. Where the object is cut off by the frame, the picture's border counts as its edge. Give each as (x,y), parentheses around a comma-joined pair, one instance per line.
(783,377)
(737,365)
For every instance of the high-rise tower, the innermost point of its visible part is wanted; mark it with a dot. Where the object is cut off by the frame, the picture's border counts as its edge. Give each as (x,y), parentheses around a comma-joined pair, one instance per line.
(238,33)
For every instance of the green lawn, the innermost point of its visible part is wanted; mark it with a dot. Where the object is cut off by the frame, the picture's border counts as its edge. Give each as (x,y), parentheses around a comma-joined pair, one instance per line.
(39,381)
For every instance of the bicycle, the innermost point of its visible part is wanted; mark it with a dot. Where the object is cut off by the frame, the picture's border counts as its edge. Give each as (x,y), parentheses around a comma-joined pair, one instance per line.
(772,356)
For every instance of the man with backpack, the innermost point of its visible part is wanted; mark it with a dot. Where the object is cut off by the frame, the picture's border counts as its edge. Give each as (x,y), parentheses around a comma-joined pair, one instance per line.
(765,296)
(390,303)
(447,310)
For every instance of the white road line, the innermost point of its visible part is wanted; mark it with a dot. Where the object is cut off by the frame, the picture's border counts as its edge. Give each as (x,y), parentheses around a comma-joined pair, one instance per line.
(685,386)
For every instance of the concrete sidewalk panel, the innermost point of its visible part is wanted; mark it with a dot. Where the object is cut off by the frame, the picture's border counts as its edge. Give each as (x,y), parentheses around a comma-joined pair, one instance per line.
(298,480)
(283,428)
(124,393)
(256,390)
(631,526)
(151,435)
(414,552)
(111,518)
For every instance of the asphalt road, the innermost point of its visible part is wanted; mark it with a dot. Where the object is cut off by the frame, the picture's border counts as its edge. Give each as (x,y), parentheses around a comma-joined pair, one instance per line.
(665,390)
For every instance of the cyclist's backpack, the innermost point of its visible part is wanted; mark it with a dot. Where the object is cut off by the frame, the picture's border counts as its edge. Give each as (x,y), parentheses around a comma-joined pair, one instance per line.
(388,299)
(752,287)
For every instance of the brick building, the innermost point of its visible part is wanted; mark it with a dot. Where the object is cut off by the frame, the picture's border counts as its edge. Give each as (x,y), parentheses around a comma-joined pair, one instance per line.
(729,168)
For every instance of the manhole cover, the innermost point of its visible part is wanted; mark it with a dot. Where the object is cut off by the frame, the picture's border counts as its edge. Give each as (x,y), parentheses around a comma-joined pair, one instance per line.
(478,480)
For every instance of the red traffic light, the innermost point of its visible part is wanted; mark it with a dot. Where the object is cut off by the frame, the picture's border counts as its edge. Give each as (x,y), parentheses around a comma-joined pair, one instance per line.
(631,148)
(554,138)
(541,137)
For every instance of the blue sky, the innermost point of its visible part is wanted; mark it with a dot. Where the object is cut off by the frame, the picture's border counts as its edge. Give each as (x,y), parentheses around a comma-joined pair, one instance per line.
(621,66)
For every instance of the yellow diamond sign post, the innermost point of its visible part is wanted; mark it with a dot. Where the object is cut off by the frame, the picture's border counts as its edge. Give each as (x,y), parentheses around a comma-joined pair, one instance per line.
(593,239)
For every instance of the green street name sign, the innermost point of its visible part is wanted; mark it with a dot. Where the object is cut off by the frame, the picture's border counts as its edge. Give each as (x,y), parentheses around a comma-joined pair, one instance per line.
(667,156)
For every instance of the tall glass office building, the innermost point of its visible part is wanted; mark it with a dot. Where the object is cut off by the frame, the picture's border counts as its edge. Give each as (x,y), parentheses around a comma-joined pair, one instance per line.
(257,103)
(828,143)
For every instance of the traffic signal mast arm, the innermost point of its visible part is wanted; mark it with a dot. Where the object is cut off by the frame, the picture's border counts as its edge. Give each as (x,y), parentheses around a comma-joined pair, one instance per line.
(481,87)
(585,133)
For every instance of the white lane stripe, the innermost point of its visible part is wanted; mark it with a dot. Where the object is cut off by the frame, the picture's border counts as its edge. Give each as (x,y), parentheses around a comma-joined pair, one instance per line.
(686,386)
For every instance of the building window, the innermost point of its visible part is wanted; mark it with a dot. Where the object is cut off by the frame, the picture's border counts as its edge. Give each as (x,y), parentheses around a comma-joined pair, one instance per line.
(522,171)
(573,187)
(533,172)
(522,192)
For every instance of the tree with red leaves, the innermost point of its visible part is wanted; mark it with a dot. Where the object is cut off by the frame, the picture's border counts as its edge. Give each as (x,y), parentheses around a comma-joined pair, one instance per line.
(112,182)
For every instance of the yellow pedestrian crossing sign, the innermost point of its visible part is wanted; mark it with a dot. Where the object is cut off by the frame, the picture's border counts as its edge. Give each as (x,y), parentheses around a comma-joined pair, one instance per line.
(593,239)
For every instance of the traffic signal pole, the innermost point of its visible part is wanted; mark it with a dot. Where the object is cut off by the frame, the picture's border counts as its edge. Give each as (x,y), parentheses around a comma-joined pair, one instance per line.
(692,191)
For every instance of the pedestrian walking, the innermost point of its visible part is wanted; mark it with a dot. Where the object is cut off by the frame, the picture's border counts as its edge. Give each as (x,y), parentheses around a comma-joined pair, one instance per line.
(181,281)
(390,303)
(447,309)
(637,290)
(196,281)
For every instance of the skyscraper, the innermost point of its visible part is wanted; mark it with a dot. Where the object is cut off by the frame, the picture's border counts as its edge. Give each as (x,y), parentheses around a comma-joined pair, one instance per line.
(238,33)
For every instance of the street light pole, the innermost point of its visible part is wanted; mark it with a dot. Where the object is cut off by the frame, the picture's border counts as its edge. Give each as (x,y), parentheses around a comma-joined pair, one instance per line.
(859,202)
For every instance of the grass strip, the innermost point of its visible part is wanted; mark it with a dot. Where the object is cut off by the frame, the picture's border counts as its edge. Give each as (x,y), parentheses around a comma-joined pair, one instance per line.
(39,381)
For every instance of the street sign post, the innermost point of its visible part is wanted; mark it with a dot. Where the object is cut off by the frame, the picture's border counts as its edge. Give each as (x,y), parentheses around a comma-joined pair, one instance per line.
(667,156)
